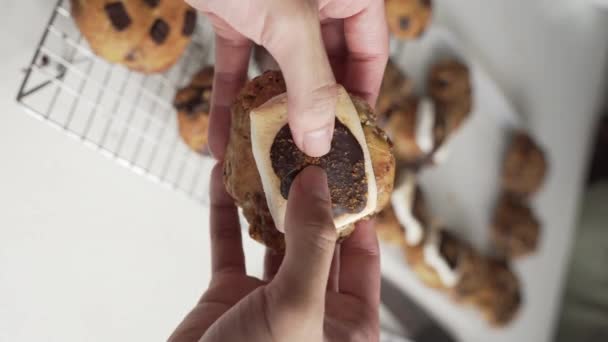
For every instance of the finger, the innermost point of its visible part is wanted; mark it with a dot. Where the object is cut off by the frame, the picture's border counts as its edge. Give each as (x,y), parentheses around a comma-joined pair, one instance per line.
(335,45)
(231,63)
(360,264)
(310,239)
(366,36)
(226,244)
(294,39)
(333,283)
(272,262)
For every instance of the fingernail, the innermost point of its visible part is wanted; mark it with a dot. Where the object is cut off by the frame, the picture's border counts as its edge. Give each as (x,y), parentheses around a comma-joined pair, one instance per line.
(317,143)
(313,181)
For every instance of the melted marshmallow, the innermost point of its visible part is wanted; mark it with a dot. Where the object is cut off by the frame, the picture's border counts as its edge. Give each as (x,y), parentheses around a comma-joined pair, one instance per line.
(442,153)
(405,211)
(433,257)
(425,121)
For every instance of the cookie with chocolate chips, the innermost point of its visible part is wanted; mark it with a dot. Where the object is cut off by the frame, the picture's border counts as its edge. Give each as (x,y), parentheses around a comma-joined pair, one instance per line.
(242,175)
(396,88)
(405,223)
(417,129)
(499,297)
(449,85)
(388,227)
(145,35)
(515,228)
(437,261)
(193,105)
(408,19)
(524,166)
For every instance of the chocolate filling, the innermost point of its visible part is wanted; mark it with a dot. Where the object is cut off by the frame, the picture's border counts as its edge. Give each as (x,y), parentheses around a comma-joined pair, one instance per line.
(159,31)
(404,23)
(117,13)
(152,3)
(189,23)
(344,165)
(426,3)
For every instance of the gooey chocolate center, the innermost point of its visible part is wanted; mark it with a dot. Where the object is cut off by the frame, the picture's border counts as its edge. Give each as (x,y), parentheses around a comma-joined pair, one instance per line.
(344,166)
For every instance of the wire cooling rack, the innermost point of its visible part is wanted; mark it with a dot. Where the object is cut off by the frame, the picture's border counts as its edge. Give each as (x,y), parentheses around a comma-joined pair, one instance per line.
(125,115)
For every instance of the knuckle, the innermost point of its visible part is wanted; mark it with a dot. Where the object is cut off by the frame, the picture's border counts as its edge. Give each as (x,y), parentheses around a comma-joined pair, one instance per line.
(324,237)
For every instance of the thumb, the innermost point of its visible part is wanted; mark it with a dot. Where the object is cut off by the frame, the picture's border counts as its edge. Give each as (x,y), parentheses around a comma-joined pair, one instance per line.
(295,41)
(310,239)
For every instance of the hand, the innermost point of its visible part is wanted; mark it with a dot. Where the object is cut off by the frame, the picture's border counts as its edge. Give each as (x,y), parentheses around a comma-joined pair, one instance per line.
(304,297)
(307,38)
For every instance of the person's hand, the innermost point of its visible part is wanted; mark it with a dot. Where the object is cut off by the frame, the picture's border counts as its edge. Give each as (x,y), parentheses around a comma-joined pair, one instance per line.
(304,296)
(307,38)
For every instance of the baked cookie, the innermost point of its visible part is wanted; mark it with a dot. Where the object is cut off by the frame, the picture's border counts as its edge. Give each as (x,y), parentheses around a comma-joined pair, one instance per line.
(515,228)
(396,87)
(241,175)
(473,275)
(405,222)
(411,209)
(524,166)
(417,130)
(449,85)
(388,227)
(408,19)
(437,262)
(144,35)
(193,104)
(500,297)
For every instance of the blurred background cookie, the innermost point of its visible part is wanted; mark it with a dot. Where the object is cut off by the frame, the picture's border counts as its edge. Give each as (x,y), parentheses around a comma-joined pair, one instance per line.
(193,105)
(396,87)
(437,261)
(515,228)
(500,297)
(388,227)
(408,19)
(524,165)
(144,35)
(473,275)
(449,85)
(417,130)
(404,222)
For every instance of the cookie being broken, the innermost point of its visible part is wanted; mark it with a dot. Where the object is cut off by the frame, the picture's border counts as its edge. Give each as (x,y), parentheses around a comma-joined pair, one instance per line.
(262,160)
(348,166)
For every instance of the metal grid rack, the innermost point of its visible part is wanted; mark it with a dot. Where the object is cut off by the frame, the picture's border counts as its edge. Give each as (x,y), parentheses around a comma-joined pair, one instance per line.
(125,115)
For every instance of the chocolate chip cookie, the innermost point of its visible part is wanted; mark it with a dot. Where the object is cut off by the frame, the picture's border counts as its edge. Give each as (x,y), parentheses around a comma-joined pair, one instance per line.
(145,35)
(388,227)
(449,85)
(524,166)
(500,295)
(396,87)
(408,19)
(193,104)
(417,129)
(515,228)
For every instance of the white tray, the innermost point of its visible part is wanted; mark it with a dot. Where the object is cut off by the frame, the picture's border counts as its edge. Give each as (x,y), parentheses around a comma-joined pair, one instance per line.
(462,190)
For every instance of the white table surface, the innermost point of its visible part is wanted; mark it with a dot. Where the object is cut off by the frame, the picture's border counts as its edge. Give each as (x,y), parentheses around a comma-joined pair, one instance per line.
(90,251)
